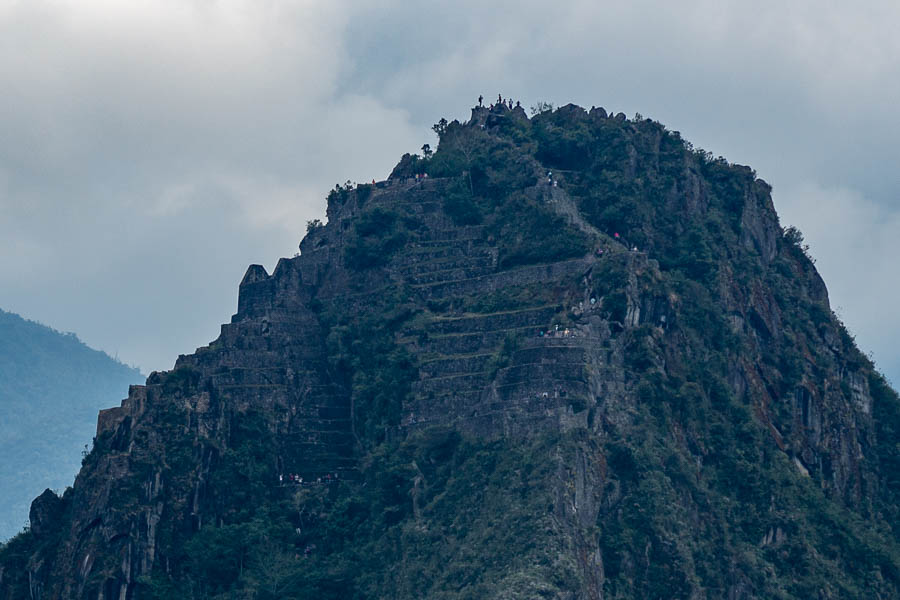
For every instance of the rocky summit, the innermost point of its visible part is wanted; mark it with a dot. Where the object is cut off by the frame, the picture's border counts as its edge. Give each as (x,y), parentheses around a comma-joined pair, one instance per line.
(563,356)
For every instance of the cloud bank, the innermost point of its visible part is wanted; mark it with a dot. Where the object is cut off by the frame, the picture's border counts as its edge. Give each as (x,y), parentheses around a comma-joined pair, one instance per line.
(149,151)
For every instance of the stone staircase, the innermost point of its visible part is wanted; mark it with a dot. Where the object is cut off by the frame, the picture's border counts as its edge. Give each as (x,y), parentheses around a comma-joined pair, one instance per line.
(469,380)
(490,282)
(486,372)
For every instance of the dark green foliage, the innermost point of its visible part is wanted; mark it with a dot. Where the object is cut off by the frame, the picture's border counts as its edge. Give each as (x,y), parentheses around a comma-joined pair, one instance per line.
(504,299)
(696,455)
(532,234)
(312,225)
(493,166)
(217,556)
(409,166)
(501,173)
(698,480)
(641,181)
(615,306)
(377,234)
(490,173)
(14,555)
(742,489)
(340,193)
(352,536)
(610,279)
(449,163)
(640,351)
(460,205)
(886,412)
(363,191)
(459,149)
(692,255)
(440,128)
(365,357)
(564,139)
(427,480)
(728,186)
(793,236)
(181,380)
(244,471)
(255,556)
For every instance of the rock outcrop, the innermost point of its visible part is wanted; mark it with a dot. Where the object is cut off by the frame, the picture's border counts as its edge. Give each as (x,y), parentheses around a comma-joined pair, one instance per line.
(565,357)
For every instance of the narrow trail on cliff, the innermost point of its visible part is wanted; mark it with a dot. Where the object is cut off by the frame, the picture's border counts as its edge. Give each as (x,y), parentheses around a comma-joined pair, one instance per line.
(564,206)
(469,384)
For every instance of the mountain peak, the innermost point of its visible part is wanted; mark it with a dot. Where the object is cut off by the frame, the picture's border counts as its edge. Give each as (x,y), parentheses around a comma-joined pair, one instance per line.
(563,355)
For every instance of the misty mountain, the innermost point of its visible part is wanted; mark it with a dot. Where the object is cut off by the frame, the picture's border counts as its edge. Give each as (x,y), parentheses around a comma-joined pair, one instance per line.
(566,355)
(51,387)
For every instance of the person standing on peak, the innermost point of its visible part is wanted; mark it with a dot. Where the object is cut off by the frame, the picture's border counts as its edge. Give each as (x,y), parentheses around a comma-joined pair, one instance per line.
(480,100)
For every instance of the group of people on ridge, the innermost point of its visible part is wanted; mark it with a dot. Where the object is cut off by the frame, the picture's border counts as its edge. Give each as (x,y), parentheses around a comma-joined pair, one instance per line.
(508,103)
(294,478)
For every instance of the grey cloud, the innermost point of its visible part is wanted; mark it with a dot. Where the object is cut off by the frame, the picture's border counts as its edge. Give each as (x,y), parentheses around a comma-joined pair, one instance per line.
(150,150)
(855,244)
(803,93)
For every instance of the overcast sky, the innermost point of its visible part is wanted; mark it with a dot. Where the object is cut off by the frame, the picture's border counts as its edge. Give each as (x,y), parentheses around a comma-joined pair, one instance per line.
(151,149)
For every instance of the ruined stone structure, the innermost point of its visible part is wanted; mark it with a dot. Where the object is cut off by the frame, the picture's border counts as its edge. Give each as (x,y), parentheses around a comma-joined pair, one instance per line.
(498,353)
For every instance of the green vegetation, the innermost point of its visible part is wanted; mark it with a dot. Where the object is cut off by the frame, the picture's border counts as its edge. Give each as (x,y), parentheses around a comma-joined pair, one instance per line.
(886,412)
(460,205)
(490,175)
(521,296)
(377,235)
(51,388)
(14,556)
(725,448)
(531,234)
(487,177)
(312,225)
(367,361)
(345,541)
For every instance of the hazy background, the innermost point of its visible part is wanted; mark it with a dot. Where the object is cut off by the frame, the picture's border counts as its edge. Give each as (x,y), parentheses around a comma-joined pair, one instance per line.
(151,150)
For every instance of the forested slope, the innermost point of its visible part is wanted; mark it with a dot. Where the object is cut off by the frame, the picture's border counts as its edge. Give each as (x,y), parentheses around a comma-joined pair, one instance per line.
(565,356)
(51,387)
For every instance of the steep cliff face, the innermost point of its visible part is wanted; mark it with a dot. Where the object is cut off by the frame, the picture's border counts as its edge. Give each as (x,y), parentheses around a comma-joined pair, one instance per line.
(578,359)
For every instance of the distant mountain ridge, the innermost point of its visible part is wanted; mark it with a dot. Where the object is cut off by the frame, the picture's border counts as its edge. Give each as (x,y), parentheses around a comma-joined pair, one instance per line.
(51,386)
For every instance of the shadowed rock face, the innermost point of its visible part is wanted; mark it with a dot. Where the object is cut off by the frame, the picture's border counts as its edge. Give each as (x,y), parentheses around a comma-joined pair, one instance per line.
(45,512)
(634,320)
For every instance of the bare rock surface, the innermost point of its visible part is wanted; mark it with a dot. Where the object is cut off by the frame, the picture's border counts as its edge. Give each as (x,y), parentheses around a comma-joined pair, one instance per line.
(670,360)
